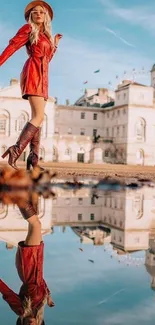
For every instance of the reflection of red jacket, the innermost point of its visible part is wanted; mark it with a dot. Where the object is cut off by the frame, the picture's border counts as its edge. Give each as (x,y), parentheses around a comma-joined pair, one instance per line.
(29,263)
(34,77)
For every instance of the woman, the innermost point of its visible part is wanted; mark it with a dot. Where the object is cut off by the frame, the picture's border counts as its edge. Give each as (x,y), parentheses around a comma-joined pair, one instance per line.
(34,294)
(36,36)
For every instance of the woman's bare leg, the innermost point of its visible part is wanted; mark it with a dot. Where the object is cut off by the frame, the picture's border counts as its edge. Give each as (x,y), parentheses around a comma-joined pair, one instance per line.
(34,236)
(37,110)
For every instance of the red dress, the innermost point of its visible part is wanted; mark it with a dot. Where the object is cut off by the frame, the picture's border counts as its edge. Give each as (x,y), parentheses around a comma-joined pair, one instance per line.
(29,263)
(34,76)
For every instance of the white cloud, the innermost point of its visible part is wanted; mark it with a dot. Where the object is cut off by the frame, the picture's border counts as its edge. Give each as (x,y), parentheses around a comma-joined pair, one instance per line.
(76,61)
(119,37)
(141,313)
(142,16)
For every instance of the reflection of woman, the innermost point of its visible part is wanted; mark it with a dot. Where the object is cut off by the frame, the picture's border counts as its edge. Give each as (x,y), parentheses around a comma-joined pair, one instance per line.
(34,294)
(41,46)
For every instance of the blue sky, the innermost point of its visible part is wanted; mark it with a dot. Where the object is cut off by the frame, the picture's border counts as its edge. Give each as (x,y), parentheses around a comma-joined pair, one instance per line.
(113,36)
(85,293)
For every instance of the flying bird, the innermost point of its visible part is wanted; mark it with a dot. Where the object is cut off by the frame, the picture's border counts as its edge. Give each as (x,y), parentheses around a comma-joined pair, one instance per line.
(91,261)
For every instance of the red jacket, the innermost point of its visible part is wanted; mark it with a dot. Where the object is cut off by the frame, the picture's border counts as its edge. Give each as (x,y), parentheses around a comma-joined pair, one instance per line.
(34,76)
(29,263)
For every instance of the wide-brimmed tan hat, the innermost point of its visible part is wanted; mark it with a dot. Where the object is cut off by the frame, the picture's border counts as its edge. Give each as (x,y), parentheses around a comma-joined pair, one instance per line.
(35,3)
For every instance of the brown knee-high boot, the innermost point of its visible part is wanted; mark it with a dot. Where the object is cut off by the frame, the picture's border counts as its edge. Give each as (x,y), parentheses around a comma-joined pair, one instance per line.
(16,150)
(33,157)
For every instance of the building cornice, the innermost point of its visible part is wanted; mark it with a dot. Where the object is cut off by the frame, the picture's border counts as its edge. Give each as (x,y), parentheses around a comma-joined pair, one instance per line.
(50,99)
(79,108)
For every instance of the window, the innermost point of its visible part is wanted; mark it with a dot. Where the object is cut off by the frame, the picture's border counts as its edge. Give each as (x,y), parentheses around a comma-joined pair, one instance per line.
(140,129)
(94,132)
(21,122)
(123,131)
(82,116)
(107,132)
(118,113)
(79,216)
(113,132)
(92,216)
(92,200)
(115,203)
(124,96)
(138,206)
(82,132)
(41,153)
(80,200)
(108,115)
(95,116)
(54,151)
(68,152)
(124,111)
(117,130)
(69,130)
(2,126)
(106,153)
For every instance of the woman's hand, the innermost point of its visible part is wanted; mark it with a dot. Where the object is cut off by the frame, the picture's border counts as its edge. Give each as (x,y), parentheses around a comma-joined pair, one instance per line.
(50,302)
(57,39)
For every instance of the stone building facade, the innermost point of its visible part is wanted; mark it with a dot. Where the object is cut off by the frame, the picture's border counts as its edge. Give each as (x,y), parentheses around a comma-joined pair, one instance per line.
(101,127)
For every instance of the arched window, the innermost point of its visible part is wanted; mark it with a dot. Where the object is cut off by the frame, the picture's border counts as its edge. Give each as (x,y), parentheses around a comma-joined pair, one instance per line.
(68,152)
(3,210)
(41,207)
(21,121)
(140,129)
(138,206)
(55,153)
(4,122)
(3,149)
(44,127)
(42,153)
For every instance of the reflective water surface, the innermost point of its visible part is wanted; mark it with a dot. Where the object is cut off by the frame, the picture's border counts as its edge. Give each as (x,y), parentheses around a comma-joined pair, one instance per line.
(99,258)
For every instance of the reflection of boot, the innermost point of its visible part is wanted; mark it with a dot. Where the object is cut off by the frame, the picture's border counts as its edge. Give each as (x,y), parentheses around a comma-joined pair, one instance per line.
(32,159)
(15,151)
(28,210)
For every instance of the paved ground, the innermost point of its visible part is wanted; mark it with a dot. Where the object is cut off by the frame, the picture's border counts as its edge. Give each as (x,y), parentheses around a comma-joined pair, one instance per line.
(123,173)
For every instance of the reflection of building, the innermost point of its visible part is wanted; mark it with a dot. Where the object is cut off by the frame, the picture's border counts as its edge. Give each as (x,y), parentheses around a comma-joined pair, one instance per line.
(15,112)
(13,228)
(128,216)
(96,235)
(150,260)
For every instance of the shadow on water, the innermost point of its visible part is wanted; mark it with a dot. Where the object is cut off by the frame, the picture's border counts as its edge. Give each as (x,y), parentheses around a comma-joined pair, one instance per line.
(76,244)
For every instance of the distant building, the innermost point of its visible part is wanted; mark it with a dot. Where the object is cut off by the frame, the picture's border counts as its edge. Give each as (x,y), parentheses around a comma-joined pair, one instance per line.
(96,97)
(103,126)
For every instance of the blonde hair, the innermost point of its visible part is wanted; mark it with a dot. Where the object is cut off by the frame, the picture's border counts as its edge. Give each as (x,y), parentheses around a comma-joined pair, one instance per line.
(34,35)
(27,305)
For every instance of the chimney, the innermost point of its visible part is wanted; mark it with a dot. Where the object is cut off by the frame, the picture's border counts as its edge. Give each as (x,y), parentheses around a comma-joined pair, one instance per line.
(13,82)
(67,102)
